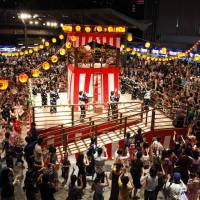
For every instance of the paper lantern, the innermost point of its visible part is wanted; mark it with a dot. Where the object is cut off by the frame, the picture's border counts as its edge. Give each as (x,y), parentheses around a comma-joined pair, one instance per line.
(45,65)
(129,37)
(62,52)
(128,49)
(21,53)
(35,73)
(41,46)
(133,52)
(73,38)
(78,28)
(147,44)
(26,52)
(67,28)
(164,50)
(23,78)
(68,45)
(120,29)
(54,40)
(35,49)
(196,57)
(122,46)
(46,44)
(110,29)
(138,54)
(179,54)
(54,59)
(87,29)
(30,51)
(99,28)
(61,37)
(3,84)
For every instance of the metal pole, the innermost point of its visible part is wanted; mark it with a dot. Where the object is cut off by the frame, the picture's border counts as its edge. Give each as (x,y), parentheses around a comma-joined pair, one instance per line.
(25,35)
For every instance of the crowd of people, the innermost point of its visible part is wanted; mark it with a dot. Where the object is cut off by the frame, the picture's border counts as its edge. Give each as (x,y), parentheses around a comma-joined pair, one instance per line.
(139,170)
(172,87)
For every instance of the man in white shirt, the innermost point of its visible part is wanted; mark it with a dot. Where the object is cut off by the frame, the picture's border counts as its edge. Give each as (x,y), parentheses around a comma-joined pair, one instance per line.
(38,155)
(100,163)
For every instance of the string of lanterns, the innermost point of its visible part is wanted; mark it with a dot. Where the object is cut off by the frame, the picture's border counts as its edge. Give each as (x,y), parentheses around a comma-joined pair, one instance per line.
(26,52)
(164,51)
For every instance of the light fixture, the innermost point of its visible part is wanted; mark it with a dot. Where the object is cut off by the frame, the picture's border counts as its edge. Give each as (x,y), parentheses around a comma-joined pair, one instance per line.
(129,37)
(147,44)
(24,16)
(87,29)
(35,16)
(54,58)
(78,28)
(23,78)
(31,22)
(61,36)
(46,44)
(54,40)
(62,51)
(36,22)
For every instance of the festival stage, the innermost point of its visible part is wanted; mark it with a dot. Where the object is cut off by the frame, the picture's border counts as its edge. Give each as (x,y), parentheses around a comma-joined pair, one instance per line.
(45,119)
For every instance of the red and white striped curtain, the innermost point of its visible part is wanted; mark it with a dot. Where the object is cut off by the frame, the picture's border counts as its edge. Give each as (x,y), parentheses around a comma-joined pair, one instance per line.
(85,38)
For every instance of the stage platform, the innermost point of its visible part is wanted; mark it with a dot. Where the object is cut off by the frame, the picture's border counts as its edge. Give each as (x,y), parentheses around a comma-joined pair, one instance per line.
(45,119)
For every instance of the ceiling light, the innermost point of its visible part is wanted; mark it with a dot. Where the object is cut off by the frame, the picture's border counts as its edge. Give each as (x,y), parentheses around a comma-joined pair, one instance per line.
(31,22)
(61,25)
(36,22)
(24,16)
(48,23)
(35,16)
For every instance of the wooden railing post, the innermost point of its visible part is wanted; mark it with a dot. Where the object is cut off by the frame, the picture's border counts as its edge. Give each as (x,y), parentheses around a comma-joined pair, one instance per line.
(64,141)
(108,112)
(72,114)
(142,106)
(153,120)
(120,123)
(146,119)
(125,125)
(33,114)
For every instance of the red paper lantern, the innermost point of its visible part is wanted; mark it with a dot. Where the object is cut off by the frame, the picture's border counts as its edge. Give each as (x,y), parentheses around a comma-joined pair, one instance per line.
(23,78)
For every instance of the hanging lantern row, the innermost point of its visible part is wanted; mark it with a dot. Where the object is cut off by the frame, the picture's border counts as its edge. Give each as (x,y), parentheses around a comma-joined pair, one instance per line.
(88,28)
(35,49)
